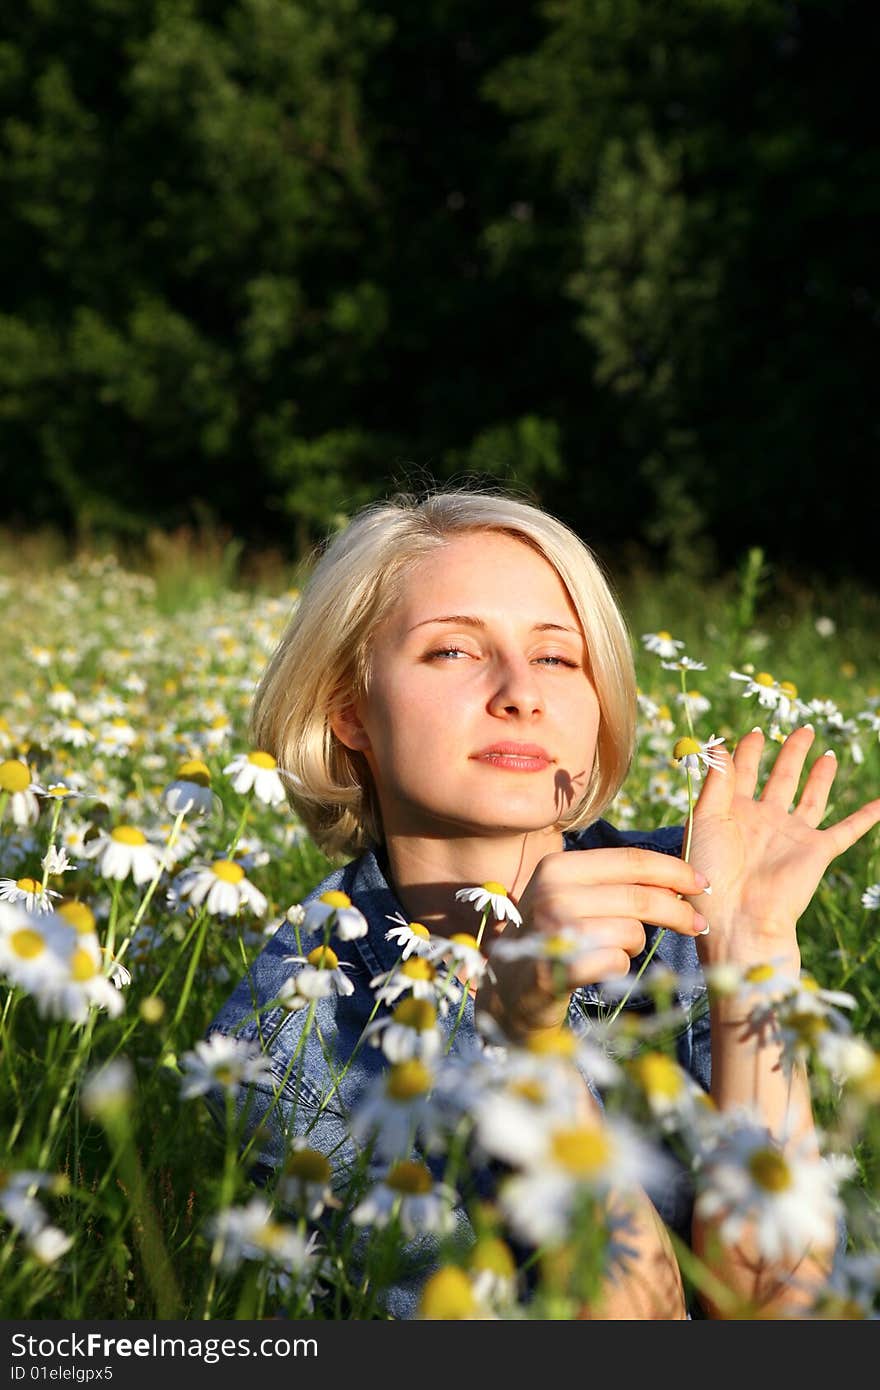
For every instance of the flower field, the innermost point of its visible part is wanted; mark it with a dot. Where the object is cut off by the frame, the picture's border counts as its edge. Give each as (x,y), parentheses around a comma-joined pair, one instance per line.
(147,854)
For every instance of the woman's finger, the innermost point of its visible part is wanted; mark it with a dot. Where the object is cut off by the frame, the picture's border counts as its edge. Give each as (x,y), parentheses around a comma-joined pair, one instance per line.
(746,761)
(781,786)
(716,793)
(845,833)
(817,788)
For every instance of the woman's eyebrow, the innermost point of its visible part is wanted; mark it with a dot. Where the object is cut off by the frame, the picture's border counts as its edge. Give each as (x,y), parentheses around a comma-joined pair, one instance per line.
(468,620)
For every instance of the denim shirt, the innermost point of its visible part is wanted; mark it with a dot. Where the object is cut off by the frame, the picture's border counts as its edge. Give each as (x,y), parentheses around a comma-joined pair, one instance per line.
(250,1014)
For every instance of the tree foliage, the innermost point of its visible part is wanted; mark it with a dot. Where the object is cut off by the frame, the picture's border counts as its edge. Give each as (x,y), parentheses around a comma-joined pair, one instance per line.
(271,257)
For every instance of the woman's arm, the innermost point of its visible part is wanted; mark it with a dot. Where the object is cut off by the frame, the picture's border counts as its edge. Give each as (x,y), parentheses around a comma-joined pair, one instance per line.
(764,857)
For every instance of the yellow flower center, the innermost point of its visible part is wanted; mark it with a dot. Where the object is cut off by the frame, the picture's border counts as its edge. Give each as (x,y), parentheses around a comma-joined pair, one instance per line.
(418,1014)
(757,974)
(323,958)
(556,945)
(808,1027)
(770,1170)
(79,916)
(28,885)
(684,747)
(219,722)
(764,678)
(14,775)
(583,1150)
(664,712)
(658,1075)
(194,770)
(407,1080)
(27,944)
(531,1091)
(788,688)
(554,1043)
(82,967)
(664,635)
(333,898)
(411,1179)
(418,930)
(127,835)
(463,938)
(447,1296)
(809,984)
(262,760)
(494,1255)
(308,1165)
(417,969)
(493,887)
(227,870)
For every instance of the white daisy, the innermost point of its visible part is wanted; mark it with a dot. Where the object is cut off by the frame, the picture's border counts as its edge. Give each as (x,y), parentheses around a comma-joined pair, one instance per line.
(495,896)
(789,1200)
(29,892)
(576,1159)
(562,947)
(684,663)
(251,1233)
(222,1061)
(694,756)
(18,1202)
(337,908)
(257,771)
(71,732)
(35,950)
(422,979)
(20,790)
(125,850)
(461,953)
(108,1089)
(411,1031)
(304,1181)
(48,1244)
(190,792)
(322,975)
(871,897)
(221,886)
(412,937)
(396,1109)
(409,1193)
(761,684)
(693,700)
(662,643)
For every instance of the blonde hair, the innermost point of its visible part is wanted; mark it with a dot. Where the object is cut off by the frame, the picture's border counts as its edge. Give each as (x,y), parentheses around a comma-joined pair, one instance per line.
(322,661)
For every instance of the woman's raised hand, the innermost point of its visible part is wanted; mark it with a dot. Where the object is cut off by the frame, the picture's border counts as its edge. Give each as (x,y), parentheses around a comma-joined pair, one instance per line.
(607,896)
(765,855)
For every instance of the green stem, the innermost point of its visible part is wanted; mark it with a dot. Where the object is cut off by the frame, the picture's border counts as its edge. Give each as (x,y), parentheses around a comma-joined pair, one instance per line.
(51,845)
(145,901)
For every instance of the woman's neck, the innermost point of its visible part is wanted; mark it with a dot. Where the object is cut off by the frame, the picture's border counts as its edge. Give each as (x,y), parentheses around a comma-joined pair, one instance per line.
(427,873)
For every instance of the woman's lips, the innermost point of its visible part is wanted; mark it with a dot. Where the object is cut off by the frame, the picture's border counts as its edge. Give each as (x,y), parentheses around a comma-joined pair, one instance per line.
(522,758)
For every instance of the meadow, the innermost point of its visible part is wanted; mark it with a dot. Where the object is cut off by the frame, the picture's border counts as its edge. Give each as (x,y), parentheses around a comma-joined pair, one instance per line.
(145,859)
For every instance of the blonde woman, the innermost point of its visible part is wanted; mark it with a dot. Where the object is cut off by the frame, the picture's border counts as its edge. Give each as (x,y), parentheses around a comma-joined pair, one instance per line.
(453,704)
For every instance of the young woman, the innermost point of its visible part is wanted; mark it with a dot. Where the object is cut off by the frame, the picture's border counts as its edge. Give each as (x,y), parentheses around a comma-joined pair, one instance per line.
(453,704)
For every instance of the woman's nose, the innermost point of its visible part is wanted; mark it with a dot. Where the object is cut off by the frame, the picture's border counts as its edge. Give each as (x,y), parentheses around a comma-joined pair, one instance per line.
(517,689)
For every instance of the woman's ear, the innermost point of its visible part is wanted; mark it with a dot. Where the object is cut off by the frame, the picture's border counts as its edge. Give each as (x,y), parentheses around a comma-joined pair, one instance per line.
(348,728)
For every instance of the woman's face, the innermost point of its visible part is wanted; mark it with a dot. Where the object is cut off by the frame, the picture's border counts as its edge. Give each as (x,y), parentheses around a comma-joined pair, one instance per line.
(483,648)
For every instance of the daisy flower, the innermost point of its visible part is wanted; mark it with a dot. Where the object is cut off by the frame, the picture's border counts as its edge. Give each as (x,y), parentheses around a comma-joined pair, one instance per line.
(396,1109)
(60,699)
(48,1244)
(422,979)
(662,643)
(411,1031)
(693,700)
(492,1269)
(409,1193)
(411,937)
(672,1096)
(18,1202)
(789,1200)
(190,792)
(762,684)
(251,1233)
(338,909)
(450,1295)
(34,950)
(125,850)
(871,897)
(55,861)
(29,892)
(561,947)
(222,1061)
(108,1089)
(257,772)
(21,789)
(461,952)
(684,663)
(693,755)
(221,886)
(576,1159)
(321,976)
(304,1182)
(495,896)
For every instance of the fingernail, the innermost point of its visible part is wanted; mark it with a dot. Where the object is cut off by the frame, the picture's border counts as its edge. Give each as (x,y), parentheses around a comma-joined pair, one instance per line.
(757,729)
(829,753)
(701,922)
(808,726)
(701,881)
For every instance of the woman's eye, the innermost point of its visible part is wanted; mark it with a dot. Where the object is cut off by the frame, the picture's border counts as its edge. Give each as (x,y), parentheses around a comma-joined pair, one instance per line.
(447,651)
(458,651)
